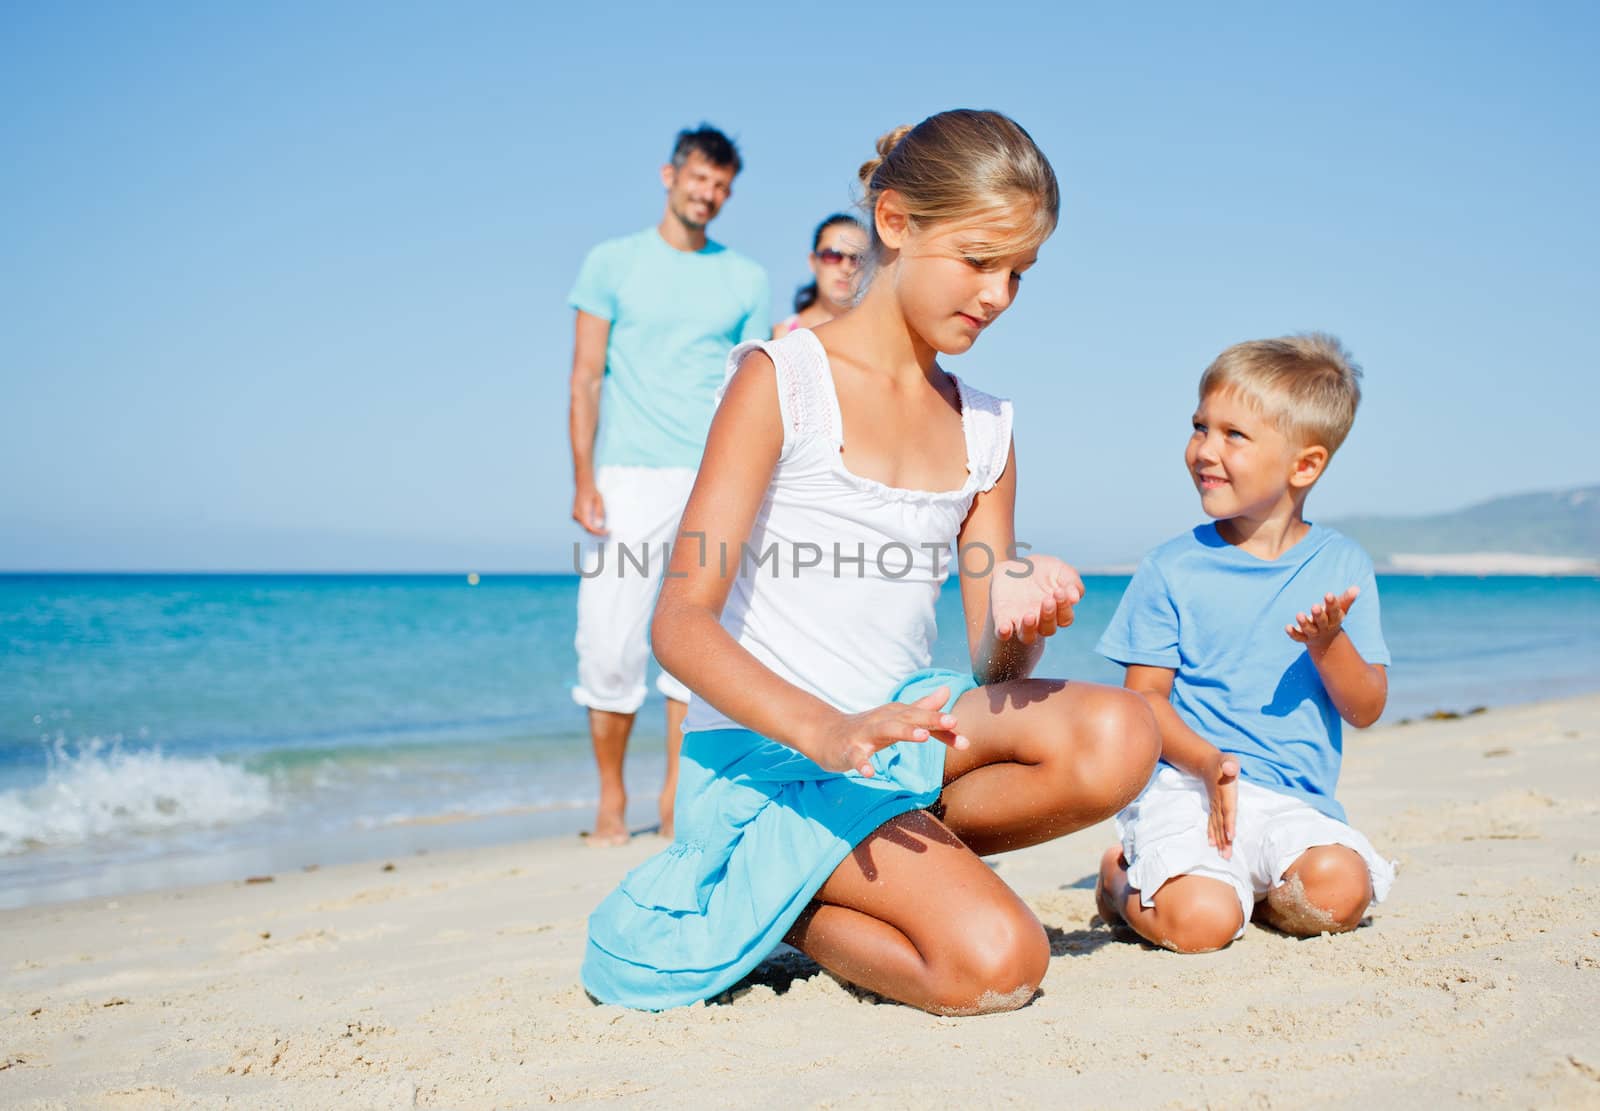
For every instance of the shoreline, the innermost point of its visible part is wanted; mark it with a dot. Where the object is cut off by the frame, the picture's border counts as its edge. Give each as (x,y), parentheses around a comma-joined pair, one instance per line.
(69,873)
(1423,564)
(450,979)
(1488,565)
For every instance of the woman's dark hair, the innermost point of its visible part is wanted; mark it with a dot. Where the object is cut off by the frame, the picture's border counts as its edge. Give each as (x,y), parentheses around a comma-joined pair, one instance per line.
(806,295)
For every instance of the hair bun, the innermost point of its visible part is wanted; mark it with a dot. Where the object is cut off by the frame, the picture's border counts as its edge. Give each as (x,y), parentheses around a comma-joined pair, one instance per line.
(886,144)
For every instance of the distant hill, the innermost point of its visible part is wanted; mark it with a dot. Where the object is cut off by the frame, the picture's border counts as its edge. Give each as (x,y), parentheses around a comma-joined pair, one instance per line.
(1562,527)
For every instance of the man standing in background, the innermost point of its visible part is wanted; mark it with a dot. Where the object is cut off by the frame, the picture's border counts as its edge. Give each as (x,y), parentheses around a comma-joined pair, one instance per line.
(658,312)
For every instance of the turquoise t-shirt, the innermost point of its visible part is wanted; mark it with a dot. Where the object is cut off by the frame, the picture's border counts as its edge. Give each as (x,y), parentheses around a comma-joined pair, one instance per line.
(1215,614)
(674,317)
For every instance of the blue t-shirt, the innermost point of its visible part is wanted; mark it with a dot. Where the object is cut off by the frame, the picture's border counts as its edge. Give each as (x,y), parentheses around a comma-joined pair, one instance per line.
(674,317)
(1215,614)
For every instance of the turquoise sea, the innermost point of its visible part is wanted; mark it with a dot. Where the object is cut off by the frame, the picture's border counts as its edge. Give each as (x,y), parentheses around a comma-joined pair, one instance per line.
(165,729)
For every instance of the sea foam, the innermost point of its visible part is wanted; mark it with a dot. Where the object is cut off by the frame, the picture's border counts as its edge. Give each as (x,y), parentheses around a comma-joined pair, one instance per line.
(99,791)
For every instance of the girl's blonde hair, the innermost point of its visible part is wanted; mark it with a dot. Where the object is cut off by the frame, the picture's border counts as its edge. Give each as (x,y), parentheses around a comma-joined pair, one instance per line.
(960,164)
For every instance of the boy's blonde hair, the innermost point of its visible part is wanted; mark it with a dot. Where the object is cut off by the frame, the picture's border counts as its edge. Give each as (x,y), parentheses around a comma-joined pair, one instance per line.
(1307,385)
(960,164)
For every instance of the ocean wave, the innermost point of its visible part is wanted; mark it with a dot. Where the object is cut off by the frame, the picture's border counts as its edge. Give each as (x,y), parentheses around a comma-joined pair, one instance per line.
(98,792)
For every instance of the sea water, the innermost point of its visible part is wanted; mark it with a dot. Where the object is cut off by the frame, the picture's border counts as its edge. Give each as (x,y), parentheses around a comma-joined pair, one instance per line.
(158,730)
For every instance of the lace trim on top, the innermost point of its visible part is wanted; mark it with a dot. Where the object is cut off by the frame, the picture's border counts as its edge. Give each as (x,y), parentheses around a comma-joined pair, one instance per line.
(810,410)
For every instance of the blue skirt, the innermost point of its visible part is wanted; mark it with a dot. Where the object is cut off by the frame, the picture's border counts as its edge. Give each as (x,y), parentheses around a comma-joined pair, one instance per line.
(760,829)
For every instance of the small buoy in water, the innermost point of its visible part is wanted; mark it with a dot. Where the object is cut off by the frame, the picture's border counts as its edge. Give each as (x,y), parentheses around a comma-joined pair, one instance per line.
(472,578)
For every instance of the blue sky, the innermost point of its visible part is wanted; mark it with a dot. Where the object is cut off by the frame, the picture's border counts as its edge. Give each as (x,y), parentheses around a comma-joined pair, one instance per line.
(283,286)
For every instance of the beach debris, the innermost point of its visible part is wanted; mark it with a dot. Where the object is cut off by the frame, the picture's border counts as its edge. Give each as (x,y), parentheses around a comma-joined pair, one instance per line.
(1450,715)
(115,1001)
(266,935)
(1500,751)
(388,867)
(258,879)
(36,1012)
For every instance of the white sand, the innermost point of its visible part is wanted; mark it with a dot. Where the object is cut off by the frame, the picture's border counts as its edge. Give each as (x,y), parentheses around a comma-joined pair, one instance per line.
(451,981)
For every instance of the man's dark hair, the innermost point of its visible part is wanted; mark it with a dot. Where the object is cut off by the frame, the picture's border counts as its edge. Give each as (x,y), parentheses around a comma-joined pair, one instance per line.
(709,143)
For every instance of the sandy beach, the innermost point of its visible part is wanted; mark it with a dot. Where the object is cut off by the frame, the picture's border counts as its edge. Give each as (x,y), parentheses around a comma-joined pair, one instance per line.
(450,980)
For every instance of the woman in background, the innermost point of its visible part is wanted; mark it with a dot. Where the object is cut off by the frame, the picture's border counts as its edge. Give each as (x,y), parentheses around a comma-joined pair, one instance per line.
(837,251)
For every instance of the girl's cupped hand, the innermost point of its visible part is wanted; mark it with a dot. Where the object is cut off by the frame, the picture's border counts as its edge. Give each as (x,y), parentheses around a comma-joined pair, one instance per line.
(847,742)
(1032,598)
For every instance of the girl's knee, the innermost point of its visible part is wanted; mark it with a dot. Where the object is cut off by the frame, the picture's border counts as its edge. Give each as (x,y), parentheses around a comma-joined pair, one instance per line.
(1117,749)
(998,967)
(1327,890)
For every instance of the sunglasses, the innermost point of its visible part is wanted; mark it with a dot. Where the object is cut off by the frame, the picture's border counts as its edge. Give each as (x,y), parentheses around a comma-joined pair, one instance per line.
(829,257)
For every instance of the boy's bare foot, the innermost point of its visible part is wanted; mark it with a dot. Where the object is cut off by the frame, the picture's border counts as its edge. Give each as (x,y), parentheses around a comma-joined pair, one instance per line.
(1112,887)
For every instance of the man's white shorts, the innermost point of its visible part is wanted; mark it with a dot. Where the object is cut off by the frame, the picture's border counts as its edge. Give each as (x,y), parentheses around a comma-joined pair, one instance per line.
(1163,835)
(622,573)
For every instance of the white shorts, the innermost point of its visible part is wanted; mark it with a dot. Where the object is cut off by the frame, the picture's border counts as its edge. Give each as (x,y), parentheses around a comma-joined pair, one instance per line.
(621,575)
(1163,835)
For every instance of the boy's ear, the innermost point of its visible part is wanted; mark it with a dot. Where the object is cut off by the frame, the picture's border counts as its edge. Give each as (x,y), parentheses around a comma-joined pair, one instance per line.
(1309,463)
(892,220)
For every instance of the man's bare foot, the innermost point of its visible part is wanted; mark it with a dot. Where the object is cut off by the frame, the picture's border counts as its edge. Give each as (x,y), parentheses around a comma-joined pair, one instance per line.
(610,826)
(1111,889)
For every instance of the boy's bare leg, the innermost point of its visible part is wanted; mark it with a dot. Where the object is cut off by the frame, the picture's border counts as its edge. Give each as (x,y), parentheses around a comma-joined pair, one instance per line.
(1326,890)
(1192,914)
(669,786)
(1111,888)
(609,733)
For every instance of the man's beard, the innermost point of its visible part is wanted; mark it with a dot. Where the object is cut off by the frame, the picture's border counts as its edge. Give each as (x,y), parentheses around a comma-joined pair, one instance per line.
(690,222)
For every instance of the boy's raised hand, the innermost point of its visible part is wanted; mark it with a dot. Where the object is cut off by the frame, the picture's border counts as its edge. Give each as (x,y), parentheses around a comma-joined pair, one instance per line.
(848,741)
(1321,625)
(1032,598)
(1222,785)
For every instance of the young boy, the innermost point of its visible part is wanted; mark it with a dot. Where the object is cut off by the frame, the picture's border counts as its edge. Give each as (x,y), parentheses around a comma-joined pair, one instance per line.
(1251,637)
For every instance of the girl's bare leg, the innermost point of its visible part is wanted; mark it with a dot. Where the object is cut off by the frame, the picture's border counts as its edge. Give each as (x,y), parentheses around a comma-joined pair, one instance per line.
(913,915)
(1046,758)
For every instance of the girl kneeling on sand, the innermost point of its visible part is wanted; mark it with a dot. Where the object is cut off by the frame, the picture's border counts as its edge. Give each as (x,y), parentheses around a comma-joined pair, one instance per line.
(835,792)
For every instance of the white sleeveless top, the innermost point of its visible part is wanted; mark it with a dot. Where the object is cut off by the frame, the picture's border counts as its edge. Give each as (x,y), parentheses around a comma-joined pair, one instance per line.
(837,584)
